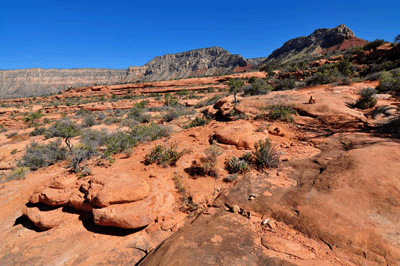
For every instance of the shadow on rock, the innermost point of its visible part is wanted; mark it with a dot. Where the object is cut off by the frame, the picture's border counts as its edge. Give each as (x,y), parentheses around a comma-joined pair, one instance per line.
(87,222)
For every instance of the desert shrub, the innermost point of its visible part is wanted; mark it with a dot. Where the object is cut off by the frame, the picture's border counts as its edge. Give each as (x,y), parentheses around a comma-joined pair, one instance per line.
(149,132)
(389,81)
(373,45)
(285,84)
(2,129)
(169,100)
(11,134)
(165,156)
(266,154)
(65,129)
(101,116)
(252,79)
(82,112)
(184,92)
(235,86)
(118,112)
(209,101)
(188,205)
(32,117)
(118,142)
(235,165)
(88,121)
(138,114)
(37,131)
(14,151)
(94,138)
(78,155)
(344,67)
(38,156)
(367,98)
(111,120)
(17,174)
(319,78)
(281,112)
(210,160)
(257,87)
(176,112)
(197,122)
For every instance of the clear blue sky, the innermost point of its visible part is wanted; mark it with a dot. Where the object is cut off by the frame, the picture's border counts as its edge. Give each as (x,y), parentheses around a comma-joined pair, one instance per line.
(118,34)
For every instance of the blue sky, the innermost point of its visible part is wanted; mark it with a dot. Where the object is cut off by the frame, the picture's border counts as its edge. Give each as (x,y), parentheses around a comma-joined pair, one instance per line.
(118,34)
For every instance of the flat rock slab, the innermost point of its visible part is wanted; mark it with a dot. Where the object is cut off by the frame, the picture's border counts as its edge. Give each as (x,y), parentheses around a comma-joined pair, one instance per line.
(241,135)
(222,238)
(286,246)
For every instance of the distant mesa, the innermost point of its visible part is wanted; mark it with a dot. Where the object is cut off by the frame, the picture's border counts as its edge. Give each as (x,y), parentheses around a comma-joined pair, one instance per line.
(194,63)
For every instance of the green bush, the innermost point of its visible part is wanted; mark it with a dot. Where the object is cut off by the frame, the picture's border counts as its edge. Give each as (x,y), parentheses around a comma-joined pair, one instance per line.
(88,121)
(389,81)
(367,98)
(285,84)
(210,160)
(235,165)
(149,132)
(344,67)
(257,87)
(165,156)
(373,45)
(138,114)
(65,129)
(38,156)
(169,100)
(281,112)
(2,129)
(118,142)
(17,174)
(11,135)
(197,122)
(319,78)
(184,92)
(79,154)
(266,155)
(32,117)
(38,131)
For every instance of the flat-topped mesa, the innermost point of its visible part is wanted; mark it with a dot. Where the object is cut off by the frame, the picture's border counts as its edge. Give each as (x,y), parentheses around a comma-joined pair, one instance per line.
(317,42)
(38,82)
(198,62)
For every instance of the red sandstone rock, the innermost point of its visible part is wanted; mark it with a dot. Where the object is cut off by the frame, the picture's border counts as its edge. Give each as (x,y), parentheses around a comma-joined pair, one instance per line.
(120,188)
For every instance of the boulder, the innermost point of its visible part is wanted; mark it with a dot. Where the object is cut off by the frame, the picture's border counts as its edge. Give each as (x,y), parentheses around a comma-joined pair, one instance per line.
(241,135)
(132,215)
(121,188)
(45,220)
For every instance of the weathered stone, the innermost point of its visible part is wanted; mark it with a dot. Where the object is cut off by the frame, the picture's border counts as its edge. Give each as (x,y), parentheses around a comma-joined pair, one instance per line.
(121,188)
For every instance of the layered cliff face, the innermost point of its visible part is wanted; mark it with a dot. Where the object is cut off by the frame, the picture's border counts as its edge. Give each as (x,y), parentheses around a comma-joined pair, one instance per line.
(319,41)
(199,62)
(37,81)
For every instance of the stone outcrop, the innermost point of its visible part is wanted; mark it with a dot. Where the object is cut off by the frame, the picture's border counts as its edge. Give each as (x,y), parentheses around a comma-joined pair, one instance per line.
(38,82)
(319,41)
(199,62)
(121,200)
